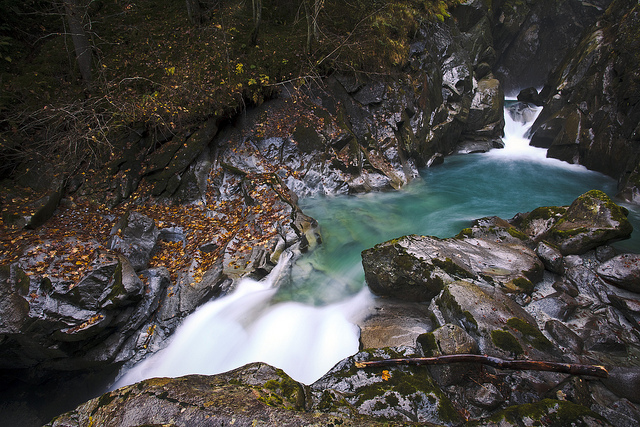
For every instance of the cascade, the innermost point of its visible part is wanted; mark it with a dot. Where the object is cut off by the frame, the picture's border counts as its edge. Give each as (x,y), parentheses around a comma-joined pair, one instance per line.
(245,326)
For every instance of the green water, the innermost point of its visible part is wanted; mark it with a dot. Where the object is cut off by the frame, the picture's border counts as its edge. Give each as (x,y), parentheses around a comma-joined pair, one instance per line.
(446,200)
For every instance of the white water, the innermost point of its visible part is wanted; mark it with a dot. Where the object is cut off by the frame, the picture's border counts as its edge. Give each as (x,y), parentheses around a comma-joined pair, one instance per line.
(244,327)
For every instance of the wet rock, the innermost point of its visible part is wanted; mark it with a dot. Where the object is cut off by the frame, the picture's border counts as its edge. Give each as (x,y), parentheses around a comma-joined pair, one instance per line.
(394,323)
(448,339)
(418,267)
(486,110)
(630,308)
(532,37)
(590,221)
(553,412)
(254,394)
(485,395)
(622,271)
(500,326)
(564,336)
(605,253)
(137,240)
(557,305)
(551,257)
(588,118)
(600,335)
(45,208)
(521,112)
(403,394)
(530,96)
(624,381)
(566,287)
(478,146)
(182,153)
(371,94)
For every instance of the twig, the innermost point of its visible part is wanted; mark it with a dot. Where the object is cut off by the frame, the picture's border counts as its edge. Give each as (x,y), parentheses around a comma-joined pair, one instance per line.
(527,365)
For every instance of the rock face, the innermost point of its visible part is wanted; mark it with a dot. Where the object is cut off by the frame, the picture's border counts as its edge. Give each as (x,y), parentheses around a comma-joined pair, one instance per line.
(591,112)
(532,37)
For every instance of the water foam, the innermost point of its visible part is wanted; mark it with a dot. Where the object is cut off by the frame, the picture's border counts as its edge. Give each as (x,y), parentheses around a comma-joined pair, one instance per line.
(244,327)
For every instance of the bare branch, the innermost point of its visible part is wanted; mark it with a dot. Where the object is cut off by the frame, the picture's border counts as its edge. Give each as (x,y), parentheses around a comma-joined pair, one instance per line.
(525,365)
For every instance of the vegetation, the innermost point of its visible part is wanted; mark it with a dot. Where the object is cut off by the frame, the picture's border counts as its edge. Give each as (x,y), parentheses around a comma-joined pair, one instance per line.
(154,65)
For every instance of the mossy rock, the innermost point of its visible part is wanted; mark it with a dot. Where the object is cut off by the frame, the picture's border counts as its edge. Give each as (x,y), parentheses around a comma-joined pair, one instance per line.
(545,412)
(592,220)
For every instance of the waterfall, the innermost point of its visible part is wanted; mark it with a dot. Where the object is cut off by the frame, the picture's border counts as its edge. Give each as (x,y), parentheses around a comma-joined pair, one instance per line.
(245,326)
(518,119)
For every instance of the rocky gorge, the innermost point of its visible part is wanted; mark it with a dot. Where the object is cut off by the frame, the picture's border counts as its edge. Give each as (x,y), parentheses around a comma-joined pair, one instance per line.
(176,221)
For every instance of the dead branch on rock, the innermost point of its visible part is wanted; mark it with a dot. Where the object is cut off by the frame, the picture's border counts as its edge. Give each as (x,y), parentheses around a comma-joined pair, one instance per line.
(530,365)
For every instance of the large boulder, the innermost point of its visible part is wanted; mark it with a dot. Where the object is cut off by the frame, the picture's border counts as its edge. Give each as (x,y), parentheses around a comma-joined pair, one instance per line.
(590,221)
(404,394)
(417,268)
(501,327)
(62,325)
(135,236)
(254,395)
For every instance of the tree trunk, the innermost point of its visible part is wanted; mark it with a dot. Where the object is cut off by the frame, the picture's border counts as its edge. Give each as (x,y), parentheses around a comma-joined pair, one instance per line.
(257,20)
(317,5)
(195,12)
(307,12)
(75,16)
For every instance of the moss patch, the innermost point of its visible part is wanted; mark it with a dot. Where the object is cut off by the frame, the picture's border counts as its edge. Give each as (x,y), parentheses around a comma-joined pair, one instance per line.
(523,284)
(506,341)
(407,384)
(285,392)
(452,268)
(530,334)
(428,344)
(554,412)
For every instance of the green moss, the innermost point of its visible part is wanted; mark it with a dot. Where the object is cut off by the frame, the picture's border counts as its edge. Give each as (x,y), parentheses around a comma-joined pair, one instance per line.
(471,322)
(554,412)
(543,213)
(284,392)
(117,289)
(524,284)
(405,261)
(406,383)
(506,341)
(466,232)
(452,268)
(514,232)
(530,334)
(427,342)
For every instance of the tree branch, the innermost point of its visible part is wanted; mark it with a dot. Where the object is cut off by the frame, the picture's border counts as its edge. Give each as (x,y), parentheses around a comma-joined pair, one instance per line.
(527,365)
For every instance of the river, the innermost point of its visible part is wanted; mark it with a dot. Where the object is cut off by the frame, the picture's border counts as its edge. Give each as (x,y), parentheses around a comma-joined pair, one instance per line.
(309,322)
